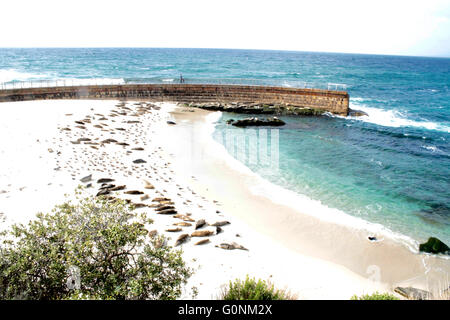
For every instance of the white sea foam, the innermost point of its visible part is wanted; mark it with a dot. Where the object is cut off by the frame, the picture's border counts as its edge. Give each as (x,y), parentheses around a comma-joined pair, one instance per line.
(92,81)
(391,118)
(7,75)
(27,80)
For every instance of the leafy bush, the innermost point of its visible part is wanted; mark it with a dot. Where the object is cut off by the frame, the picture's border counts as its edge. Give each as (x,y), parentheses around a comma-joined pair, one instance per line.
(95,249)
(375,296)
(250,289)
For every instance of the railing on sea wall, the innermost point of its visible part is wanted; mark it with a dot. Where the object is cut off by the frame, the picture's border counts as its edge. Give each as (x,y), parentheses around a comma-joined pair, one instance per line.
(219,81)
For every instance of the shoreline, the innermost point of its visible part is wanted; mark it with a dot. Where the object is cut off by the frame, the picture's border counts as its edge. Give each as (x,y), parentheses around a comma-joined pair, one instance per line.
(293,250)
(391,260)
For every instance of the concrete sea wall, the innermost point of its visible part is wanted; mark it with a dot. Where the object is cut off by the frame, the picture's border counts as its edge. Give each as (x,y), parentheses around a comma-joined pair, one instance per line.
(336,102)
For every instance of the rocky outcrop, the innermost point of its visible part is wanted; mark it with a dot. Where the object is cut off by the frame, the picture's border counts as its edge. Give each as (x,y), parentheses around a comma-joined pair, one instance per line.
(256,108)
(357,113)
(434,245)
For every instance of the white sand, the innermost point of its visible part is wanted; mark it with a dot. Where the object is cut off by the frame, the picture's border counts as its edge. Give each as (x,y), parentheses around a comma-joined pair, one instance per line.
(33,146)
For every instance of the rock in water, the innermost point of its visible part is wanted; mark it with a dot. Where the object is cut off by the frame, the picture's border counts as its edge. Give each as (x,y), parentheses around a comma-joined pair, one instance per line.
(434,245)
(356,113)
(413,293)
(258,122)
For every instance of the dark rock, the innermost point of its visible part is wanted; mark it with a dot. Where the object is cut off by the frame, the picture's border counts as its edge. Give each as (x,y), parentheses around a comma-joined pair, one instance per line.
(229,121)
(372,238)
(356,113)
(171,122)
(137,161)
(413,293)
(258,122)
(434,245)
(304,111)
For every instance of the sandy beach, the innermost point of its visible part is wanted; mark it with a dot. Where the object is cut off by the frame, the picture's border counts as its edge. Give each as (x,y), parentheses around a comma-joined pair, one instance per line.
(48,147)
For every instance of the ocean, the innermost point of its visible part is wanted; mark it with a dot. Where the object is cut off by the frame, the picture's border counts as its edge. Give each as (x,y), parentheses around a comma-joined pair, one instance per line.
(391,167)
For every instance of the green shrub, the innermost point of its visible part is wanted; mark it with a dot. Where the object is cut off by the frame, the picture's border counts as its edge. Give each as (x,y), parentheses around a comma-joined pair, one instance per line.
(95,249)
(375,296)
(250,289)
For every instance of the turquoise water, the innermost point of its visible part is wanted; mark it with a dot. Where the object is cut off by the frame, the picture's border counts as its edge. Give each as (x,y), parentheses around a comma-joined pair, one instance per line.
(391,167)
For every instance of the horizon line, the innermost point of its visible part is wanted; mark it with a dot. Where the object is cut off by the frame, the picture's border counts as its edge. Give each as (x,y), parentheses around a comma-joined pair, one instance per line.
(241,49)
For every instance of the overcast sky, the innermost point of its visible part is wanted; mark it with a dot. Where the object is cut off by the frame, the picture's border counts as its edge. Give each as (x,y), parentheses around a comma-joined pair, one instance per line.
(381,27)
